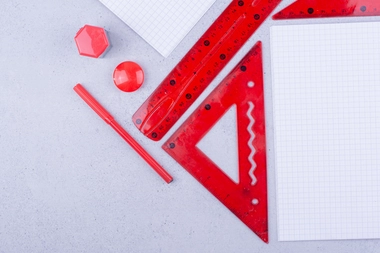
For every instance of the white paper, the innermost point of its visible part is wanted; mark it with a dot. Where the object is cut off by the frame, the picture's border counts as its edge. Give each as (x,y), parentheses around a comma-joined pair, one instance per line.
(162,23)
(326,94)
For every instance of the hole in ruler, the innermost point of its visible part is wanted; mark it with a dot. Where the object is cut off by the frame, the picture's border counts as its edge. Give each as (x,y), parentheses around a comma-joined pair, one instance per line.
(363,8)
(206,43)
(251,172)
(241,3)
(310,10)
(223,134)
(243,68)
(256,16)
(172,82)
(154,135)
(207,107)
(222,56)
(172,145)
(188,96)
(255,201)
(251,84)
(138,121)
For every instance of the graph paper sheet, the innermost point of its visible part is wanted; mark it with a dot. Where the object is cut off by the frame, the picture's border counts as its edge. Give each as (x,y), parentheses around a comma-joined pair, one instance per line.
(162,23)
(326,94)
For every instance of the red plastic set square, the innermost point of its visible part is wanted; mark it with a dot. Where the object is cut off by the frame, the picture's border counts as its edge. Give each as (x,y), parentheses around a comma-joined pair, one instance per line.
(243,87)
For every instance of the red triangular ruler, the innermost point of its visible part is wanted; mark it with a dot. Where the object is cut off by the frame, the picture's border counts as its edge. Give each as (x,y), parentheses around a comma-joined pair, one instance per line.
(243,87)
(329,8)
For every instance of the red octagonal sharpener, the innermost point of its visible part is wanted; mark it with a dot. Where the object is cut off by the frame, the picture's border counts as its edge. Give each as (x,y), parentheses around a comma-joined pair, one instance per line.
(91,41)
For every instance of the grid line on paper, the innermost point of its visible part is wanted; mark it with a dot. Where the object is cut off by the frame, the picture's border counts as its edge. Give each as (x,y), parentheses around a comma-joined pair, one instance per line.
(161,23)
(326,89)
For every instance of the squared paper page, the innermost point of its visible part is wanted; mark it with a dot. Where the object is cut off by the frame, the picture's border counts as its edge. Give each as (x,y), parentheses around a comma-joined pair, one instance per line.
(326,94)
(161,23)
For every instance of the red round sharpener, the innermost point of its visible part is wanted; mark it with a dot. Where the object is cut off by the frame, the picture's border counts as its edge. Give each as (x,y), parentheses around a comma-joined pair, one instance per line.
(91,41)
(128,76)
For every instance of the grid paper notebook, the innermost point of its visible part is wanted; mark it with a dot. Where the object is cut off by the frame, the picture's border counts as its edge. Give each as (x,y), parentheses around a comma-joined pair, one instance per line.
(326,94)
(161,23)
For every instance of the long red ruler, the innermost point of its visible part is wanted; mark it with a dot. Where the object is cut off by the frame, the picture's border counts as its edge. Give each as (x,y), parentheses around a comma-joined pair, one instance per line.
(329,8)
(243,87)
(200,66)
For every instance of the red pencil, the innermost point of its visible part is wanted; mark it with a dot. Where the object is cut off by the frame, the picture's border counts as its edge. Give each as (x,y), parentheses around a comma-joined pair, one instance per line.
(104,114)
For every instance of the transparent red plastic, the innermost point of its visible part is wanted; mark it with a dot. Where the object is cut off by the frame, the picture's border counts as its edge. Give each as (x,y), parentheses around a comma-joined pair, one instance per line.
(200,66)
(91,41)
(329,8)
(128,76)
(243,87)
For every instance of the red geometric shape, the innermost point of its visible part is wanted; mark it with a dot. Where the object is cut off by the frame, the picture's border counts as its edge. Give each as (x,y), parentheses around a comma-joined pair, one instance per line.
(128,76)
(329,8)
(91,41)
(243,87)
(200,66)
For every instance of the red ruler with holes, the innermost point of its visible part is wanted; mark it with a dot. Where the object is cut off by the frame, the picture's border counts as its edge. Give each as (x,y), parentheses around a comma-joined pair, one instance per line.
(201,65)
(243,87)
(329,8)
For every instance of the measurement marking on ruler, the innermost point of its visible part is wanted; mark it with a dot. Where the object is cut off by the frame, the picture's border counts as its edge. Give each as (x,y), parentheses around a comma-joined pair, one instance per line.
(200,66)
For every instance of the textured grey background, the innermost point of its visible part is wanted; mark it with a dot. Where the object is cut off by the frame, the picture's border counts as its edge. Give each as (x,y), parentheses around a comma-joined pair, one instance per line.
(69,183)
